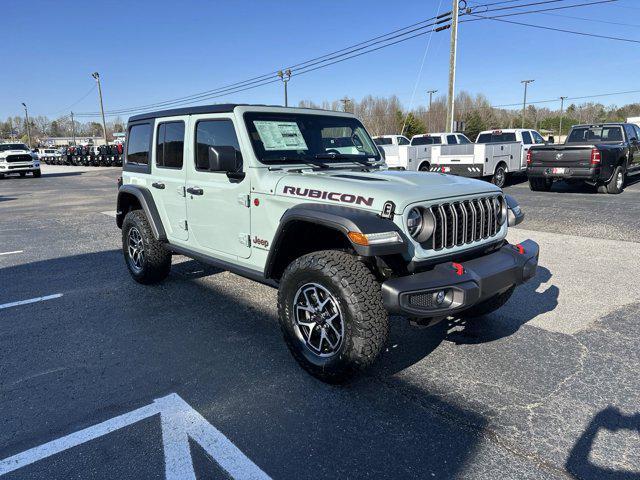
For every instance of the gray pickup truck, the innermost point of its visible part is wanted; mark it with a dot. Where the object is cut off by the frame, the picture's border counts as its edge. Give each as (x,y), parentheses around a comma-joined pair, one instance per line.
(599,155)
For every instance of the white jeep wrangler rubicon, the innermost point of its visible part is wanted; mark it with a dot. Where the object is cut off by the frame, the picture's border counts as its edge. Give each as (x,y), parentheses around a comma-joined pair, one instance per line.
(300,199)
(17,158)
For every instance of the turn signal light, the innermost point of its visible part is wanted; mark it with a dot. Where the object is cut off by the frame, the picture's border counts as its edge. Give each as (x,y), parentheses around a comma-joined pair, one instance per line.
(595,156)
(366,239)
(528,157)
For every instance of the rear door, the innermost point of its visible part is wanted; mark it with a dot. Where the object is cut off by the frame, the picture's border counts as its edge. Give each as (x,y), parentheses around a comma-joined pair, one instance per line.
(634,146)
(217,206)
(169,175)
(527,141)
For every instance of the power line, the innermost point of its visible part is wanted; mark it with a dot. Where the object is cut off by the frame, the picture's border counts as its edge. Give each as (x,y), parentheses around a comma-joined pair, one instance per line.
(529,12)
(568,98)
(542,27)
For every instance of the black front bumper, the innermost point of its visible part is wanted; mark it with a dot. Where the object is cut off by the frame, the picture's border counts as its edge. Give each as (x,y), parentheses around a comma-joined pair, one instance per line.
(463,285)
(579,173)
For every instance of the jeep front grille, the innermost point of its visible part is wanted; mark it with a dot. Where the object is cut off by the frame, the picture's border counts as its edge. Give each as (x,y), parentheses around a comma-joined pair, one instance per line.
(460,223)
(19,158)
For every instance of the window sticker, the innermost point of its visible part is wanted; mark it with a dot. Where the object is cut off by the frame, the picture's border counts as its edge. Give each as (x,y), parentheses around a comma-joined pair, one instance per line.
(276,135)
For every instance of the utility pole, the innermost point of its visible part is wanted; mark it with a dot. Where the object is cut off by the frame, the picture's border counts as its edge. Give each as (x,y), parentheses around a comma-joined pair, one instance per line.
(11,129)
(524,103)
(96,75)
(344,101)
(73,129)
(452,66)
(26,115)
(562,99)
(285,77)
(430,92)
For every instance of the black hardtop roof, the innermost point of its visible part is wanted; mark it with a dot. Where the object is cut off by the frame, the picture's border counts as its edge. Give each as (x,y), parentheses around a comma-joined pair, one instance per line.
(217,108)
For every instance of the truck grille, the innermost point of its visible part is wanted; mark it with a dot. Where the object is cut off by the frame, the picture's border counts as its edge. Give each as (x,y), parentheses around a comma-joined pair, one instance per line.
(459,223)
(19,158)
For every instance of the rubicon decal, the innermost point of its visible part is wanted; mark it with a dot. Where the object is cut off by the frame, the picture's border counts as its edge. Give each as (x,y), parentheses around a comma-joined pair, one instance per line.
(333,196)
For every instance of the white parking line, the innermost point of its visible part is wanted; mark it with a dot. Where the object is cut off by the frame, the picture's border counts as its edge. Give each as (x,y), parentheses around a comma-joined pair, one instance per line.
(31,300)
(11,253)
(110,213)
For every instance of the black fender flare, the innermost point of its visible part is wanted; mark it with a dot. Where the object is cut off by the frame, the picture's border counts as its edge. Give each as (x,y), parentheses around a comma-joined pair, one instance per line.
(148,205)
(343,220)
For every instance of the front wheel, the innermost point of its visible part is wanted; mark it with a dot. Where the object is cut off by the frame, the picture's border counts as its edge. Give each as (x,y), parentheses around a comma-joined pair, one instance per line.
(331,315)
(147,259)
(37,173)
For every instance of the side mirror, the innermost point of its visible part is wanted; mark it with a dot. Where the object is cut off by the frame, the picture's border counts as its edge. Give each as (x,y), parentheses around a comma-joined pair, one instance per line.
(515,215)
(224,159)
(382,154)
(551,140)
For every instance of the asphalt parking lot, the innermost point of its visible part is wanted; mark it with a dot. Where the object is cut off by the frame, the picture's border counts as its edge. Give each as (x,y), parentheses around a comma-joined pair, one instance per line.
(105,378)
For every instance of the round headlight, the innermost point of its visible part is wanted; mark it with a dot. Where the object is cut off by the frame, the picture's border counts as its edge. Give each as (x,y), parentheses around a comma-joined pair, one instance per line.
(420,224)
(502,210)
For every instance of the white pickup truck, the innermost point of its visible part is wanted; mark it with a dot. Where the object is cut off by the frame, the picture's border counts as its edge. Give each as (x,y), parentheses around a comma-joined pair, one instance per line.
(416,154)
(496,154)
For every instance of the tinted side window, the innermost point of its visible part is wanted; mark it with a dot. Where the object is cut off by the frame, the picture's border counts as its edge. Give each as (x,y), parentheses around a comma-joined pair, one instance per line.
(451,140)
(170,145)
(211,133)
(537,138)
(526,138)
(631,133)
(637,132)
(463,140)
(138,144)
(403,141)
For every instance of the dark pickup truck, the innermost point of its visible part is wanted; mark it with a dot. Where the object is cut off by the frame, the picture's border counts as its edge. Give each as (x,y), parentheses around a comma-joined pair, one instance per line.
(599,155)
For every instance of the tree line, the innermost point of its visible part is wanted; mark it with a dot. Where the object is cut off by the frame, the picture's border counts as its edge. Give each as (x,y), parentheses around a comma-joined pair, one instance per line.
(42,127)
(387,115)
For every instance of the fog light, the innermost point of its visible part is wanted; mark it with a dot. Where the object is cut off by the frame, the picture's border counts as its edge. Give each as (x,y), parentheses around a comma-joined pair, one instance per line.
(439,297)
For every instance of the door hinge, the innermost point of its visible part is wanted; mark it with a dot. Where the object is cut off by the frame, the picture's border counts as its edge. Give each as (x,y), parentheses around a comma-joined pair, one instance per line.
(182,191)
(185,225)
(245,239)
(244,200)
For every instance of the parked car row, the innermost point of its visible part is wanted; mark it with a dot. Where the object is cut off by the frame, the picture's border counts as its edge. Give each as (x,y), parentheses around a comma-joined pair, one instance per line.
(85,155)
(495,154)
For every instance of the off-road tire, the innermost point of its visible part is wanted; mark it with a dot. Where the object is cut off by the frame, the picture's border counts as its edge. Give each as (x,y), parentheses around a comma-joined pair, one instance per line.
(156,262)
(540,184)
(490,305)
(499,177)
(37,173)
(359,297)
(612,186)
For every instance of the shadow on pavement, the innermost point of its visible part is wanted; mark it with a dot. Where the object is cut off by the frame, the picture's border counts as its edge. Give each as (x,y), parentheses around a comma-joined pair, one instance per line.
(109,345)
(610,419)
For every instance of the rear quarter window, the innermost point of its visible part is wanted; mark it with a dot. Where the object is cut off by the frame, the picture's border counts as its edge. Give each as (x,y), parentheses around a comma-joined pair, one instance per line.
(138,144)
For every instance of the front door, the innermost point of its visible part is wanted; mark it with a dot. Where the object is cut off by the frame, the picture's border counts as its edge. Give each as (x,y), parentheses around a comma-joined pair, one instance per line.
(217,205)
(169,176)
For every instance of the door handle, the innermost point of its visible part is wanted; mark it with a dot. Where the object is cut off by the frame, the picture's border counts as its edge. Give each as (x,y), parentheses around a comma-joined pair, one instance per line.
(195,191)
(158,185)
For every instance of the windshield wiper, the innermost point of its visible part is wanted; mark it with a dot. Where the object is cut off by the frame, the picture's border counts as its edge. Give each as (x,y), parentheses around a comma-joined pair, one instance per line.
(342,156)
(307,161)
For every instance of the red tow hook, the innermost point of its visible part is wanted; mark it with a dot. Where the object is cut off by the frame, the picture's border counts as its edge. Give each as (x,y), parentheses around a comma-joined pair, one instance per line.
(520,249)
(458,268)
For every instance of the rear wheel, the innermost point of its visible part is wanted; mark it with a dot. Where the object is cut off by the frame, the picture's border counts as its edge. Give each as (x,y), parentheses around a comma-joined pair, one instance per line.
(331,314)
(616,184)
(424,167)
(540,184)
(147,259)
(499,178)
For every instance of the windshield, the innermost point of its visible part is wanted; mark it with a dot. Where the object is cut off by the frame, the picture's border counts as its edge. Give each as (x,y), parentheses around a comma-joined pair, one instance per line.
(595,134)
(496,137)
(425,140)
(13,146)
(299,138)
(383,141)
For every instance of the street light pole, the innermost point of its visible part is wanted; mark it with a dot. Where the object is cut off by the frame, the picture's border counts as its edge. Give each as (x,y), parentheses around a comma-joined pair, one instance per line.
(430,92)
(344,101)
(96,75)
(73,129)
(452,65)
(26,115)
(562,99)
(524,102)
(285,77)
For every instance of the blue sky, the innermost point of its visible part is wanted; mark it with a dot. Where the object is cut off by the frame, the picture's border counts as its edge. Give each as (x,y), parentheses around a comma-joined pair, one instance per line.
(152,51)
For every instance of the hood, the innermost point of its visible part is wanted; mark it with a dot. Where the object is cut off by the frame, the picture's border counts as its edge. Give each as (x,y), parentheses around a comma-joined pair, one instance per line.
(6,153)
(370,190)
